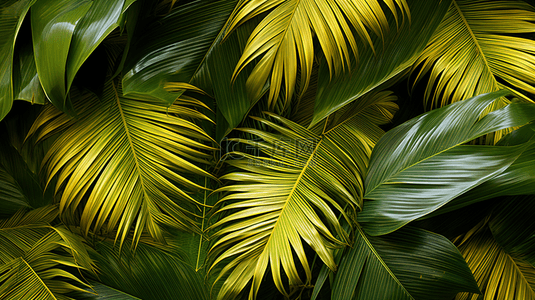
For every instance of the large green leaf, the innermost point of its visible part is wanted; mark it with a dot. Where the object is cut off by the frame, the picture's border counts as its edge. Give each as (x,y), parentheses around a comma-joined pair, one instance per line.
(499,274)
(518,179)
(153,271)
(26,83)
(12,14)
(400,48)
(408,264)
(422,164)
(36,258)
(126,163)
(284,39)
(475,51)
(53,24)
(64,34)
(293,190)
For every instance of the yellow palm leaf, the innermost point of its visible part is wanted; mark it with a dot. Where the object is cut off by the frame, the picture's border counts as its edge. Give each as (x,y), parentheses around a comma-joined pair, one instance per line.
(293,193)
(127,163)
(476,50)
(498,274)
(284,38)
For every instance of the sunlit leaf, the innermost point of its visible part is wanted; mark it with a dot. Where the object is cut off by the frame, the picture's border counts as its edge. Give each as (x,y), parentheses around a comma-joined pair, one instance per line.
(294,192)
(125,163)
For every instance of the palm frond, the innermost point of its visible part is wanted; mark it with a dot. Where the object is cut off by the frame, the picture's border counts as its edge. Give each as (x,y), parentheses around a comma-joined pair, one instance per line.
(124,163)
(284,38)
(477,50)
(35,257)
(304,180)
(498,274)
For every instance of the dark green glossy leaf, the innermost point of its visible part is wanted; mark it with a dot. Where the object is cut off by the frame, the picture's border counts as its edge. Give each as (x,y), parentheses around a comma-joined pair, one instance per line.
(518,179)
(421,165)
(407,264)
(26,83)
(398,51)
(101,19)
(363,275)
(12,13)
(53,24)
(513,227)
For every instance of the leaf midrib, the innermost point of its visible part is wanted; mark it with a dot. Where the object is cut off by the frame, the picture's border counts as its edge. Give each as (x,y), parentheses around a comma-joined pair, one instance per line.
(474,39)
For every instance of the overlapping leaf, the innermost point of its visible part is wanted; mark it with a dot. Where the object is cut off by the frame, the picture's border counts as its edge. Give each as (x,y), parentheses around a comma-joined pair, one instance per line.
(295,191)
(517,179)
(125,163)
(498,274)
(476,48)
(407,264)
(421,165)
(32,263)
(166,52)
(64,34)
(284,38)
(153,271)
(12,14)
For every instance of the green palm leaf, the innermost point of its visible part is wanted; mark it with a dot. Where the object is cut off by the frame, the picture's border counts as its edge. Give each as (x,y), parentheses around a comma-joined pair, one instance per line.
(153,271)
(293,193)
(124,163)
(284,38)
(475,50)
(498,274)
(422,164)
(11,16)
(407,264)
(34,257)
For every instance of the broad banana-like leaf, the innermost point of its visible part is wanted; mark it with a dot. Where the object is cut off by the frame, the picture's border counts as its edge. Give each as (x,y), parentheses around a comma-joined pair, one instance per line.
(64,34)
(12,13)
(284,39)
(499,274)
(293,190)
(129,159)
(518,179)
(26,83)
(475,51)
(166,52)
(422,164)
(153,271)
(407,264)
(397,51)
(513,229)
(36,259)
(53,24)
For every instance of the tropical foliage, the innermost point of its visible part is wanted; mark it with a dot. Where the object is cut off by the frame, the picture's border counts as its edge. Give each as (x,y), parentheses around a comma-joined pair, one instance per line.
(273,149)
